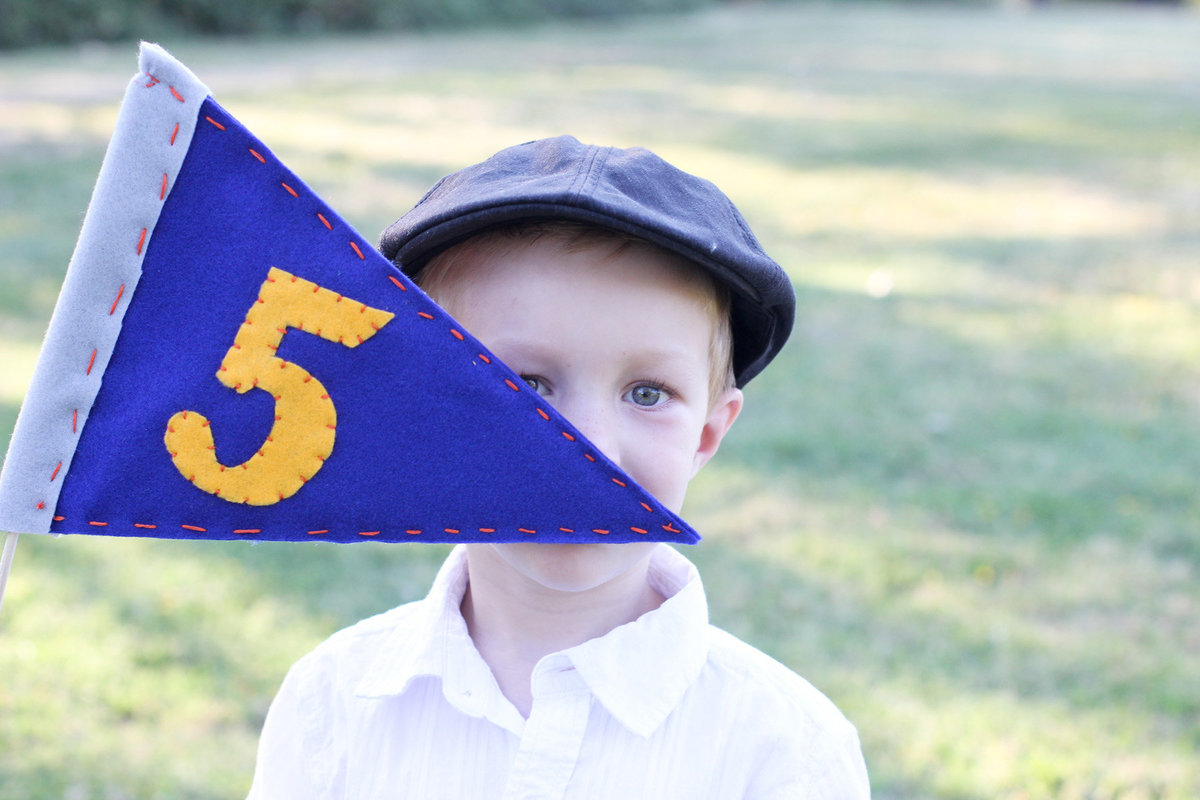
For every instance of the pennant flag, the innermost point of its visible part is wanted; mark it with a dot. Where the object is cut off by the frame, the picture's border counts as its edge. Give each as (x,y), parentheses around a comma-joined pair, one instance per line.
(229,359)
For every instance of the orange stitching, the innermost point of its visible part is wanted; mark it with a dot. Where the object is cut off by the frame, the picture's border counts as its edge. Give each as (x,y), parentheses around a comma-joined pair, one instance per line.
(396,281)
(162,193)
(120,292)
(174,133)
(543,414)
(456,334)
(290,190)
(176,94)
(425,315)
(74,419)
(141,241)
(358,252)
(257,155)
(620,483)
(41,504)
(410,531)
(647,507)
(324,221)
(214,122)
(153,80)
(91,363)
(511,385)
(568,436)
(671,529)
(589,456)
(54,474)
(484,359)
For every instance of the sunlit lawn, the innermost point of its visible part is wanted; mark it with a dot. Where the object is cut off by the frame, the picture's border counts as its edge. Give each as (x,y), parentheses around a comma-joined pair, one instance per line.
(964,501)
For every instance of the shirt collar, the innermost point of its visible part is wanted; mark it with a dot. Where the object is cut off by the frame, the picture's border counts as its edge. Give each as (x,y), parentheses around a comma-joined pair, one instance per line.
(638,671)
(432,641)
(422,642)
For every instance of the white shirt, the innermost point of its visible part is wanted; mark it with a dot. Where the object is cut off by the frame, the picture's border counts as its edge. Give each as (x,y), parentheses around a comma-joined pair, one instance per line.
(402,705)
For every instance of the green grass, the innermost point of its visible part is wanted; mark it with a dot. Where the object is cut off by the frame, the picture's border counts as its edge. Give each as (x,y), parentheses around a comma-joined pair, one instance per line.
(962,502)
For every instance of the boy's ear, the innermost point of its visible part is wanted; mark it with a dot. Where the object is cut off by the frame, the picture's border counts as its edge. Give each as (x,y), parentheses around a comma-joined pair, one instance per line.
(724,411)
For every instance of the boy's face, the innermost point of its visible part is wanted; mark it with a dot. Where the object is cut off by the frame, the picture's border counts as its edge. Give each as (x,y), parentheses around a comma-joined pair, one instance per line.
(619,343)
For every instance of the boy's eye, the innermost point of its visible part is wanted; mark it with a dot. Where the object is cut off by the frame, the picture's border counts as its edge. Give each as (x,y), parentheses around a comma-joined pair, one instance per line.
(536,383)
(647,395)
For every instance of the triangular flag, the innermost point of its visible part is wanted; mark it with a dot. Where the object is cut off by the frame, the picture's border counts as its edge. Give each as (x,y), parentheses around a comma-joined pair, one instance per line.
(229,359)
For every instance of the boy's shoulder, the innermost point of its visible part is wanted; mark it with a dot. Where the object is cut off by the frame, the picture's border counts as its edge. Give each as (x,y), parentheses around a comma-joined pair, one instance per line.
(807,745)
(349,652)
(759,682)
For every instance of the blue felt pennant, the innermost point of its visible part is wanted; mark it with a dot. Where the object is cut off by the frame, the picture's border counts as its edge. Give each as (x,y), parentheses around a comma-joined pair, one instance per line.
(367,414)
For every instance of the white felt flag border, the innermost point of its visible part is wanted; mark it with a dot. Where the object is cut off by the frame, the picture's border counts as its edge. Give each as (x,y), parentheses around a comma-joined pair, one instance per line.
(151,138)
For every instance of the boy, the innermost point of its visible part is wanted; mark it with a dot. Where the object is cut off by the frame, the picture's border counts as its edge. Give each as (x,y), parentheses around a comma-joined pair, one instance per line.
(634,298)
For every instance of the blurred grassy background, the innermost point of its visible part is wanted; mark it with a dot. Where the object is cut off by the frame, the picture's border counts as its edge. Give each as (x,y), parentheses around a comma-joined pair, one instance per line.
(962,502)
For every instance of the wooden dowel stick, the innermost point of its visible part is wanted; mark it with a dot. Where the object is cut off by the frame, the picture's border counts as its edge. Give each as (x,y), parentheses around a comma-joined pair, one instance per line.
(10,548)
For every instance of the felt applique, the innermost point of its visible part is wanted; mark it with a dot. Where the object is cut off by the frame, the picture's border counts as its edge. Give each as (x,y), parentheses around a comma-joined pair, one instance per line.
(229,359)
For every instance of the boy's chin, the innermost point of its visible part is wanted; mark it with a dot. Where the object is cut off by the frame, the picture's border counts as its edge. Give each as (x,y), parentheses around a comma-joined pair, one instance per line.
(574,568)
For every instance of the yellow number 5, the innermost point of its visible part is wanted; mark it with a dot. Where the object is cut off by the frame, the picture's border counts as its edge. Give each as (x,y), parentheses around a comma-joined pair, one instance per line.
(302,435)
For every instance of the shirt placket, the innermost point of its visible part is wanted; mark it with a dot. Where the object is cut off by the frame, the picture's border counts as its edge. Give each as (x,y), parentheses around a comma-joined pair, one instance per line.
(553,734)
